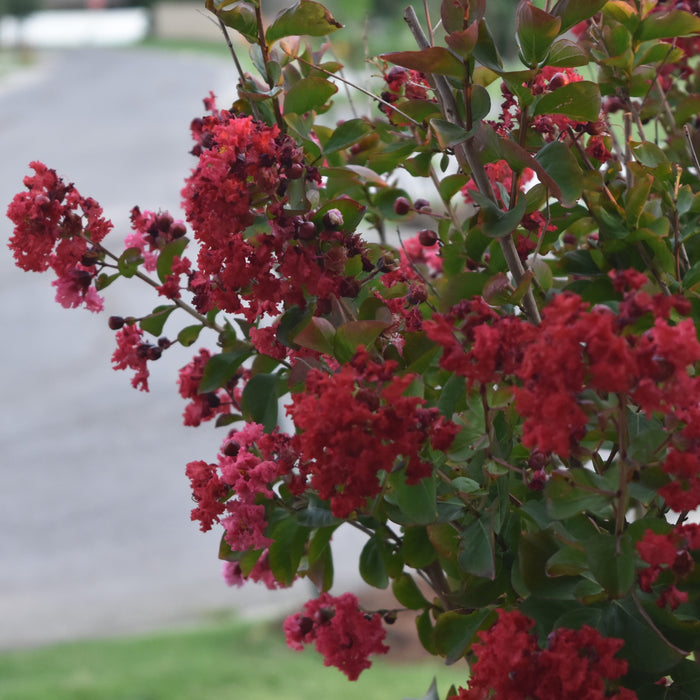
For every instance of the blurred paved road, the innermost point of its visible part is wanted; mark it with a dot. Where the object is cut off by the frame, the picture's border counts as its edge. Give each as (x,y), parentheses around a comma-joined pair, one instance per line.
(94,529)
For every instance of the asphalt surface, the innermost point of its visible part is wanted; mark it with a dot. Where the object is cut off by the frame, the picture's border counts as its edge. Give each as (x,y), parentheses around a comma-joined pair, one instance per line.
(95,536)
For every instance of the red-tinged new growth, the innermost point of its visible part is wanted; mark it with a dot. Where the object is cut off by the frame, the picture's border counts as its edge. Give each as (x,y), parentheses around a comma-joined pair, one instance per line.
(345,635)
(56,227)
(575,664)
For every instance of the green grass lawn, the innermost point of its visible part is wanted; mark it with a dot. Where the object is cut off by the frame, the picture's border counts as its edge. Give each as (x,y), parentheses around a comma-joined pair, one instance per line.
(219,660)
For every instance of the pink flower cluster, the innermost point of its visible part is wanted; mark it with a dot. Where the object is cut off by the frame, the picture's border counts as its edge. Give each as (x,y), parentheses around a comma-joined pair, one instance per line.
(575,665)
(342,633)
(208,405)
(56,227)
(355,423)
(248,464)
(670,560)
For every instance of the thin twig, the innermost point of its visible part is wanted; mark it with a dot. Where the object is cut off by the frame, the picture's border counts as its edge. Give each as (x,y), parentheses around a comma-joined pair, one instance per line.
(691,149)
(469,161)
(178,302)
(361,89)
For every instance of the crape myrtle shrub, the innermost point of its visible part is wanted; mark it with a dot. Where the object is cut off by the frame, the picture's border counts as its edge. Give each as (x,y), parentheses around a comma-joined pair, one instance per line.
(505,399)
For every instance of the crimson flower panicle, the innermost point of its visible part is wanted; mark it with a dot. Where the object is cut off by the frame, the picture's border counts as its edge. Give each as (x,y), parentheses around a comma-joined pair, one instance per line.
(342,633)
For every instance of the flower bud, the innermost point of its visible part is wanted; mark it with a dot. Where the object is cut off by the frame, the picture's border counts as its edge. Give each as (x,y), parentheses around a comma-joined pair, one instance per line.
(427,237)
(178,230)
(306,231)
(231,449)
(295,171)
(402,206)
(558,80)
(333,219)
(422,205)
(115,322)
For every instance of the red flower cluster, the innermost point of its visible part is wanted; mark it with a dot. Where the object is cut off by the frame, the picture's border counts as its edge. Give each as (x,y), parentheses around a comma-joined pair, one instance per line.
(343,634)
(670,560)
(244,171)
(577,347)
(356,423)
(56,227)
(576,665)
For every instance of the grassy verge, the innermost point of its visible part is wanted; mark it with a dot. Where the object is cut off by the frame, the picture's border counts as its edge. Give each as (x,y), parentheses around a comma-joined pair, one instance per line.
(223,660)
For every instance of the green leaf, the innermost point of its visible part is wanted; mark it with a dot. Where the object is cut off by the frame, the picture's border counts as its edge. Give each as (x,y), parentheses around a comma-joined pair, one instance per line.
(292,321)
(636,198)
(455,632)
(316,514)
(318,334)
(372,564)
(481,102)
(644,648)
(574,11)
(347,133)
(188,335)
(289,541)
(417,549)
(155,322)
(665,25)
(476,549)
(320,554)
(434,59)
(308,94)
(424,627)
(406,591)
(129,262)
(495,221)
(562,166)
(565,499)
(416,501)
(485,50)
(448,134)
(304,18)
(649,154)
(569,561)
(535,549)
(259,401)
(164,265)
(450,185)
(352,334)
(220,369)
(579,101)
(536,31)
(566,54)
(240,16)
(320,542)
(612,562)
